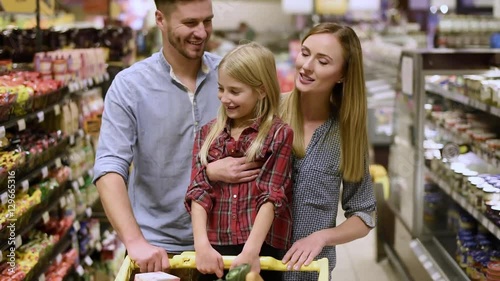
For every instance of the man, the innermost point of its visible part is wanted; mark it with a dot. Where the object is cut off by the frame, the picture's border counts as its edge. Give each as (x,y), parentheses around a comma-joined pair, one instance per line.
(152,111)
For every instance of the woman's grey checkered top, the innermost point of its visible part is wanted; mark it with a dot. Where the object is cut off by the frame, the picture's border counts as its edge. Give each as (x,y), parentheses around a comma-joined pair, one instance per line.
(316,192)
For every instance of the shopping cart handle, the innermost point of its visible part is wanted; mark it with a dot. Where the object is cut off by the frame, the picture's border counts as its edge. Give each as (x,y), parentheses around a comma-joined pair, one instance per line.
(188,260)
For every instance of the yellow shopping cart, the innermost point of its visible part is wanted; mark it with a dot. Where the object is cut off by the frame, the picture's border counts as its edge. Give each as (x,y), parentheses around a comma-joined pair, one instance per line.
(187,260)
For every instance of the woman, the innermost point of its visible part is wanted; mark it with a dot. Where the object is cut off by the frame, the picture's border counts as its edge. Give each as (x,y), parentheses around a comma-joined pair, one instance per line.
(327,112)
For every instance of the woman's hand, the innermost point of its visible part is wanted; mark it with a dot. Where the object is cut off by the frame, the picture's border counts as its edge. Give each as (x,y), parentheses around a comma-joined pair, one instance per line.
(209,261)
(304,251)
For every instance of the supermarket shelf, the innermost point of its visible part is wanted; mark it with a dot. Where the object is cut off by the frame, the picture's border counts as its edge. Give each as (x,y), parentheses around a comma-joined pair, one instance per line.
(462,201)
(45,262)
(39,116)
(42,171)
(84,84)
(72,87)
(36,217)
(462,99)
(493,161)
(436,259)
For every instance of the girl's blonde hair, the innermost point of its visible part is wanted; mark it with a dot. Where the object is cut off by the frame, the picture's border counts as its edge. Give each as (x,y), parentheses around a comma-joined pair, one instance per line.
(253,65)
(348,101)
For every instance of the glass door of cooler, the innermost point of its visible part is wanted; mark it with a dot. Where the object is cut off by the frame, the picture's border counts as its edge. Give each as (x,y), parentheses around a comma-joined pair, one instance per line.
(444,165)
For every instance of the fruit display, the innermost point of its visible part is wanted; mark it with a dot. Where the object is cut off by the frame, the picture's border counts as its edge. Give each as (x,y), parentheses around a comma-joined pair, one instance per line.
(23,92)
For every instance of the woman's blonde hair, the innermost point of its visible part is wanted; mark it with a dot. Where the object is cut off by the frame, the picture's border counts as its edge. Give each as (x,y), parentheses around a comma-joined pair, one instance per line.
(253,65)
(348,101)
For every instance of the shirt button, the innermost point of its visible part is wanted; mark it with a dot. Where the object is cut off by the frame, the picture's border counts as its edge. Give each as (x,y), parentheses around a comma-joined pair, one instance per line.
(234,196)
(196,123)
(194,102)
(234,217)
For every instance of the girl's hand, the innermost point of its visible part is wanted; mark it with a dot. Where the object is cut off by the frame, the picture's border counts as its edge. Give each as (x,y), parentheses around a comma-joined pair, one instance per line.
(247,258)
(209,261)
(304,251)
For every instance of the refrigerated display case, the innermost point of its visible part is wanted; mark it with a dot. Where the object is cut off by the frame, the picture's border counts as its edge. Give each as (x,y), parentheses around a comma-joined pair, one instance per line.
(431,201)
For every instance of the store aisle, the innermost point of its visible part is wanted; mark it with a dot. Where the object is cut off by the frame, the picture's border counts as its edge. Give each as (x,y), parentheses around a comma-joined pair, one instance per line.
(356,260)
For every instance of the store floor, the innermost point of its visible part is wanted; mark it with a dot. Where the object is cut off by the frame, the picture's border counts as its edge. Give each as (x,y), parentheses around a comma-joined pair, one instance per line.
(356,260)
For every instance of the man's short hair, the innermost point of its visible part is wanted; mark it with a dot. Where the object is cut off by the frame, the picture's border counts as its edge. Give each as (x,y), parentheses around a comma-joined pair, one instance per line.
(167,6)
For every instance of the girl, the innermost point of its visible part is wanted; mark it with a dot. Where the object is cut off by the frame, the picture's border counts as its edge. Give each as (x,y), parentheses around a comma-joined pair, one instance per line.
(249,219)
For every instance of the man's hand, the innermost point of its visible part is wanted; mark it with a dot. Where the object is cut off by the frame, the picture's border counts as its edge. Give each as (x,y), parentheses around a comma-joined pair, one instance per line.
(149,258)
(233,170)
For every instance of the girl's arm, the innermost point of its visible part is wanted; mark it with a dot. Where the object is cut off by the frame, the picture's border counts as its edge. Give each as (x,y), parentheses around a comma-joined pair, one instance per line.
(208,260)
(261,226)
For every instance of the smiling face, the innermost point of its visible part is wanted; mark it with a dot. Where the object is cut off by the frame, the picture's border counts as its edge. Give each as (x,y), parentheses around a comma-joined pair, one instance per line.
(320,64)
(238,99)
(187,28)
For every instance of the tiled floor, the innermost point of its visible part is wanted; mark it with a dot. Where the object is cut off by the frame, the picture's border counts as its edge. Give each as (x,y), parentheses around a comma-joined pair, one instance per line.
(356,260)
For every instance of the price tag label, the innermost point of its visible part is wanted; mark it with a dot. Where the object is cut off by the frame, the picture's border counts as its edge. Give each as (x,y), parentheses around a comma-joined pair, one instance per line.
(42,277)
(59,258)
(75,186)
(45,172)
(88,211)
(81,133)
(21,124)
(19,241)
(475,212)
(76,225)
(71,198)
(72,139)
(26,185)
(80,270)
(495,111)
(91,173)
(62,202)
(81,182)
(484,221)
(1,256)
(88,261)
(58,163)
(427,265)
(491,227)
(90,82)
(497,232)
(41,116)
(2,131)
(46,217)
(57,110)
(4,198)
(98,246)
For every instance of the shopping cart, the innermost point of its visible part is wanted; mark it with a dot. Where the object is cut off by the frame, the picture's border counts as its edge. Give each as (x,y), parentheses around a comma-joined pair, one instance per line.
(187,260)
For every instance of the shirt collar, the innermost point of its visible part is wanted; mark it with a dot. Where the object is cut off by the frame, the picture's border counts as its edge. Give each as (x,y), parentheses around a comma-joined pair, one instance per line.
(254,126)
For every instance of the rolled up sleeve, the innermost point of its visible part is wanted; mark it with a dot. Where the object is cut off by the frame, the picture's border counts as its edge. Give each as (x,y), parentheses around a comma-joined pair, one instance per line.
(118,132)
(200,189)
(275,179)
(358,199)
